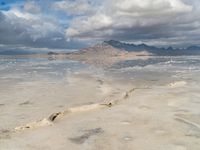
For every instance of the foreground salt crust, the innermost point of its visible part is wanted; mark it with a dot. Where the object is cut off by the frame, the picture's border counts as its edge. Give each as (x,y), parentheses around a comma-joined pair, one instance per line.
(150,117)
(141,116)
(177,84)
(79,109)
(49,121)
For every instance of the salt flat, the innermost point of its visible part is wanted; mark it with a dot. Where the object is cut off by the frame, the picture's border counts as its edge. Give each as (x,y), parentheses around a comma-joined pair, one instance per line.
(149,107)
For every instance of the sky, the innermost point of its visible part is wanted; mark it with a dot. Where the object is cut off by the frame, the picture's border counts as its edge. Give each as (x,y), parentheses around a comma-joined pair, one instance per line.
(74,24)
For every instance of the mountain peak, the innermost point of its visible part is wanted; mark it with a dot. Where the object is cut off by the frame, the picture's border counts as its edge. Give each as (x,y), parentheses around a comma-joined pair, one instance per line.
(113,42)
(127,46)
(153,49)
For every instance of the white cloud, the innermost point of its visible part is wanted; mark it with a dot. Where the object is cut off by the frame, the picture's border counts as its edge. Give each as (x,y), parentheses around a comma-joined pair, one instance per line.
(96,22)
(31,7)
(133,20)
(23,28)
(59,23)
(77,7)
(149,7)
(32,25)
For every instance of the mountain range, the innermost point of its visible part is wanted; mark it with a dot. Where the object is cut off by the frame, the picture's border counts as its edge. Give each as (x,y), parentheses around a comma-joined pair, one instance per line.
(191,50)
(113,47)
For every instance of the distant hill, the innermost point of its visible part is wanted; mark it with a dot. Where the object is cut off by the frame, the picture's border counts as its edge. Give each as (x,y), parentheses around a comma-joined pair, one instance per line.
(111,52)
(16,52)
(192,50)
(105,54)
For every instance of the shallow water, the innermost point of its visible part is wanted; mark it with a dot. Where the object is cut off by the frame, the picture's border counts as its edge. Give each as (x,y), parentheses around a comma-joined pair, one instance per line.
(158,70)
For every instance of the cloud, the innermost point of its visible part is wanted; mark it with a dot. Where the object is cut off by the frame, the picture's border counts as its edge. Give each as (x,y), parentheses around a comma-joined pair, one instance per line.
(132,20)
(77,7)
(22,28)
(25,28)
(31,7)
(77,23)
(137,8)
(93,23)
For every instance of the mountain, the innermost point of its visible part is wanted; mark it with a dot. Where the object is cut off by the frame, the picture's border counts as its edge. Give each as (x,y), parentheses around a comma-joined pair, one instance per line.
(193,48)
(105,54)
(111,52)
(130,47)
(170,51)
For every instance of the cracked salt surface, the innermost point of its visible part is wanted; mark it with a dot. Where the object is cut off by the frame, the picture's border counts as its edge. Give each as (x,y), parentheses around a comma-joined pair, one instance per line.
(162,112)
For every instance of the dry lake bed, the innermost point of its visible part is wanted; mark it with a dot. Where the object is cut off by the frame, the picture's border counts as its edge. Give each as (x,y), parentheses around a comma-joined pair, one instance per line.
(145,104)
